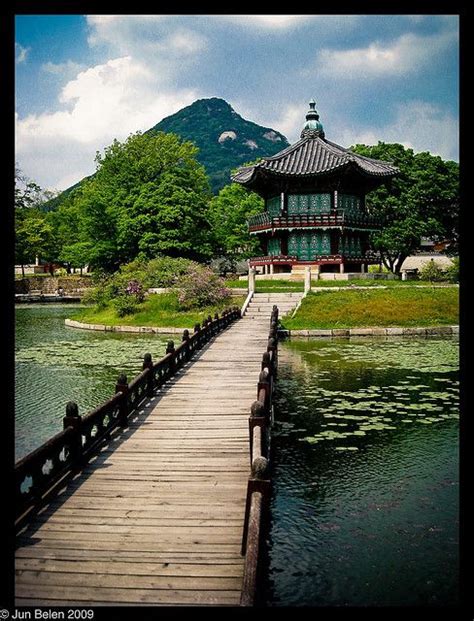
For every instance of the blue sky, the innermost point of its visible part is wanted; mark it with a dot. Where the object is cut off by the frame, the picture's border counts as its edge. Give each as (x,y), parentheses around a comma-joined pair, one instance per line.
(82,81)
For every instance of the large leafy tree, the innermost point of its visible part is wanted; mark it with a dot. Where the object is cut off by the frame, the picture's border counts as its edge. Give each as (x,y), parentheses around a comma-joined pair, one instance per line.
(33,235)
(228,215)
(149,197)
(422,201)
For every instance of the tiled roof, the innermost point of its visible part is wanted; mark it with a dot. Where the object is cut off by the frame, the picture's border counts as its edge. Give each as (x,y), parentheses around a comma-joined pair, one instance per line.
(313,155)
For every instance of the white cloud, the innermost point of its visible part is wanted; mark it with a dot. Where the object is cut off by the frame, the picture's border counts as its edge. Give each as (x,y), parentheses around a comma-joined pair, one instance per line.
(104,102)
(408,54)
(284,23)
(418,125)
(62,69)
(270,22)
(146,35)
(21,53)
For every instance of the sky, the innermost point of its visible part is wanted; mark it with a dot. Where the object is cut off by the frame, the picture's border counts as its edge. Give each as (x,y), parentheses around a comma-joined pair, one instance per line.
(82,81)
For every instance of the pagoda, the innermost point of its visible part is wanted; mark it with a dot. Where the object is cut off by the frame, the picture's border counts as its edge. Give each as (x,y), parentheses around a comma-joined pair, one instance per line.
(315,209)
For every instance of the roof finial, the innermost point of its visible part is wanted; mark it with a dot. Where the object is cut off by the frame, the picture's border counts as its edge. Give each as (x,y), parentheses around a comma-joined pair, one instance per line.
(313,127)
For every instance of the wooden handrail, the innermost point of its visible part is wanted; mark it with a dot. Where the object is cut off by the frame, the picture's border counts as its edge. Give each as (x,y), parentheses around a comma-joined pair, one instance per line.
(39,474)
(259,484)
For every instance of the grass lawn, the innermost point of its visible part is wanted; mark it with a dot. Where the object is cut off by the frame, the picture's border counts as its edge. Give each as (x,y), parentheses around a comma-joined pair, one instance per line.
(160,310)
(402,307)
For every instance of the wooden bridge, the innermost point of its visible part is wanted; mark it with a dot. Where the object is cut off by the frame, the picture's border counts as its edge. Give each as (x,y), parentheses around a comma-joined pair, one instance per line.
(148,499)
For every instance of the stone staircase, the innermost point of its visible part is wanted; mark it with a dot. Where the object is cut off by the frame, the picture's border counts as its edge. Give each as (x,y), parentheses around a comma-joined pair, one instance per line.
(260,307)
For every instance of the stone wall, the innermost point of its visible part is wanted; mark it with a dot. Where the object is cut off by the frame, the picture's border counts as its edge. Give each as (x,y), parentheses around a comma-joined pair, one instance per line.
(50,284)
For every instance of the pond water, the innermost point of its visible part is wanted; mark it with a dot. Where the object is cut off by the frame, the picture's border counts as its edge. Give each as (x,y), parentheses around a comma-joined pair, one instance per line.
(365,452)
(55,364)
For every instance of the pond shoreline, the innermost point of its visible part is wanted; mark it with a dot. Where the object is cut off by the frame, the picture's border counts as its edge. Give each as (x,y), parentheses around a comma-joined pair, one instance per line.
(72,323)
(375,331)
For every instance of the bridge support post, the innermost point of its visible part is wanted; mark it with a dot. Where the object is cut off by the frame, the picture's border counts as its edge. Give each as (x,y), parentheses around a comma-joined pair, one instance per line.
(122,386)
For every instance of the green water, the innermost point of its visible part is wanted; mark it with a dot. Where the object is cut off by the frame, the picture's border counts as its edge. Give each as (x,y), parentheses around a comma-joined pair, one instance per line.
(55,364)
(365,450)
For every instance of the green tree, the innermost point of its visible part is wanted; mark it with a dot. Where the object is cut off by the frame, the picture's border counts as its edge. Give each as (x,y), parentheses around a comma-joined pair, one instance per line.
(228,215)
(33,235)
(422,201)
(76,255)
(149,197)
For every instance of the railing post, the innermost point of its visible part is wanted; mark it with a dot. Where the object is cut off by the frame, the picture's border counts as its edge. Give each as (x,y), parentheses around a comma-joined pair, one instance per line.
(148,364)
(122,386)
(197,332)
(185,339)
(264,384)
(74,420)
(258,418)
(171,350)
(251,280)
(307,279)
(258,482)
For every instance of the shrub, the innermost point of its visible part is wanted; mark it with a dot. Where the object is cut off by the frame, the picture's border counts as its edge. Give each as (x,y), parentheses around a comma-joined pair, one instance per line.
(61,271)
(376,269)
(432,271)
(135,289)
(452,271)
(101,293)
(199,287)
(164,271)
(125,305)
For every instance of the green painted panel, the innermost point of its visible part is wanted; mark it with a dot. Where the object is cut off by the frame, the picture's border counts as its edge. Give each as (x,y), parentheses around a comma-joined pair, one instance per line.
(293,244)
(314,245)
(325,243)
(349,202)
(274,246)
(293,204)
(273,206)
(303,250)
(303,204)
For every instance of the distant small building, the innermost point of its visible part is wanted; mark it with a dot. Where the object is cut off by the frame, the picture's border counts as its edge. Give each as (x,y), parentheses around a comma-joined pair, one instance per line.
(316,212)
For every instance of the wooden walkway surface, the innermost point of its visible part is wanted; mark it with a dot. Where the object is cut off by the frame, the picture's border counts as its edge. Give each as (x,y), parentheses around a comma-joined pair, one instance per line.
(156,518)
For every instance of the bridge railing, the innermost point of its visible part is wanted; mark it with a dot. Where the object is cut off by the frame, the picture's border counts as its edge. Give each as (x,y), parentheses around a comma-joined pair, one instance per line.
(43,472)
(259,484)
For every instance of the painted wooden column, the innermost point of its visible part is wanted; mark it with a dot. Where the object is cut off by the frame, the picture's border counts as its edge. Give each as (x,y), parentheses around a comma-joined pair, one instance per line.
(341,268)
(271,268)
(317,271)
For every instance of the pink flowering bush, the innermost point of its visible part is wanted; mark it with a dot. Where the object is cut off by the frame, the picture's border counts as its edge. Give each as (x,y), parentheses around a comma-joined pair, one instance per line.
(199,287)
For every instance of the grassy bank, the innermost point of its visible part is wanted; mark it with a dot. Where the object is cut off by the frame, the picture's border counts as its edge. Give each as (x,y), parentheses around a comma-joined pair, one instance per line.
(391,307)
(157,310)
(266,286)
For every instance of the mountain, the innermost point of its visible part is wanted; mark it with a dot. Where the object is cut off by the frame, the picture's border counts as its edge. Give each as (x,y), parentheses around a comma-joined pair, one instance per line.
(224,138)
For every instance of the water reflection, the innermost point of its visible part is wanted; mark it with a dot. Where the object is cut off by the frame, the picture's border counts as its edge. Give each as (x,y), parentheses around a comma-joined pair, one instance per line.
(55,364)
(365,506)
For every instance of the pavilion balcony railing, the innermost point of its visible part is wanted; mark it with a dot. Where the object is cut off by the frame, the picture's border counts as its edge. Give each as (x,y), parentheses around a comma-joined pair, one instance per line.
(368,257)
(335,218)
